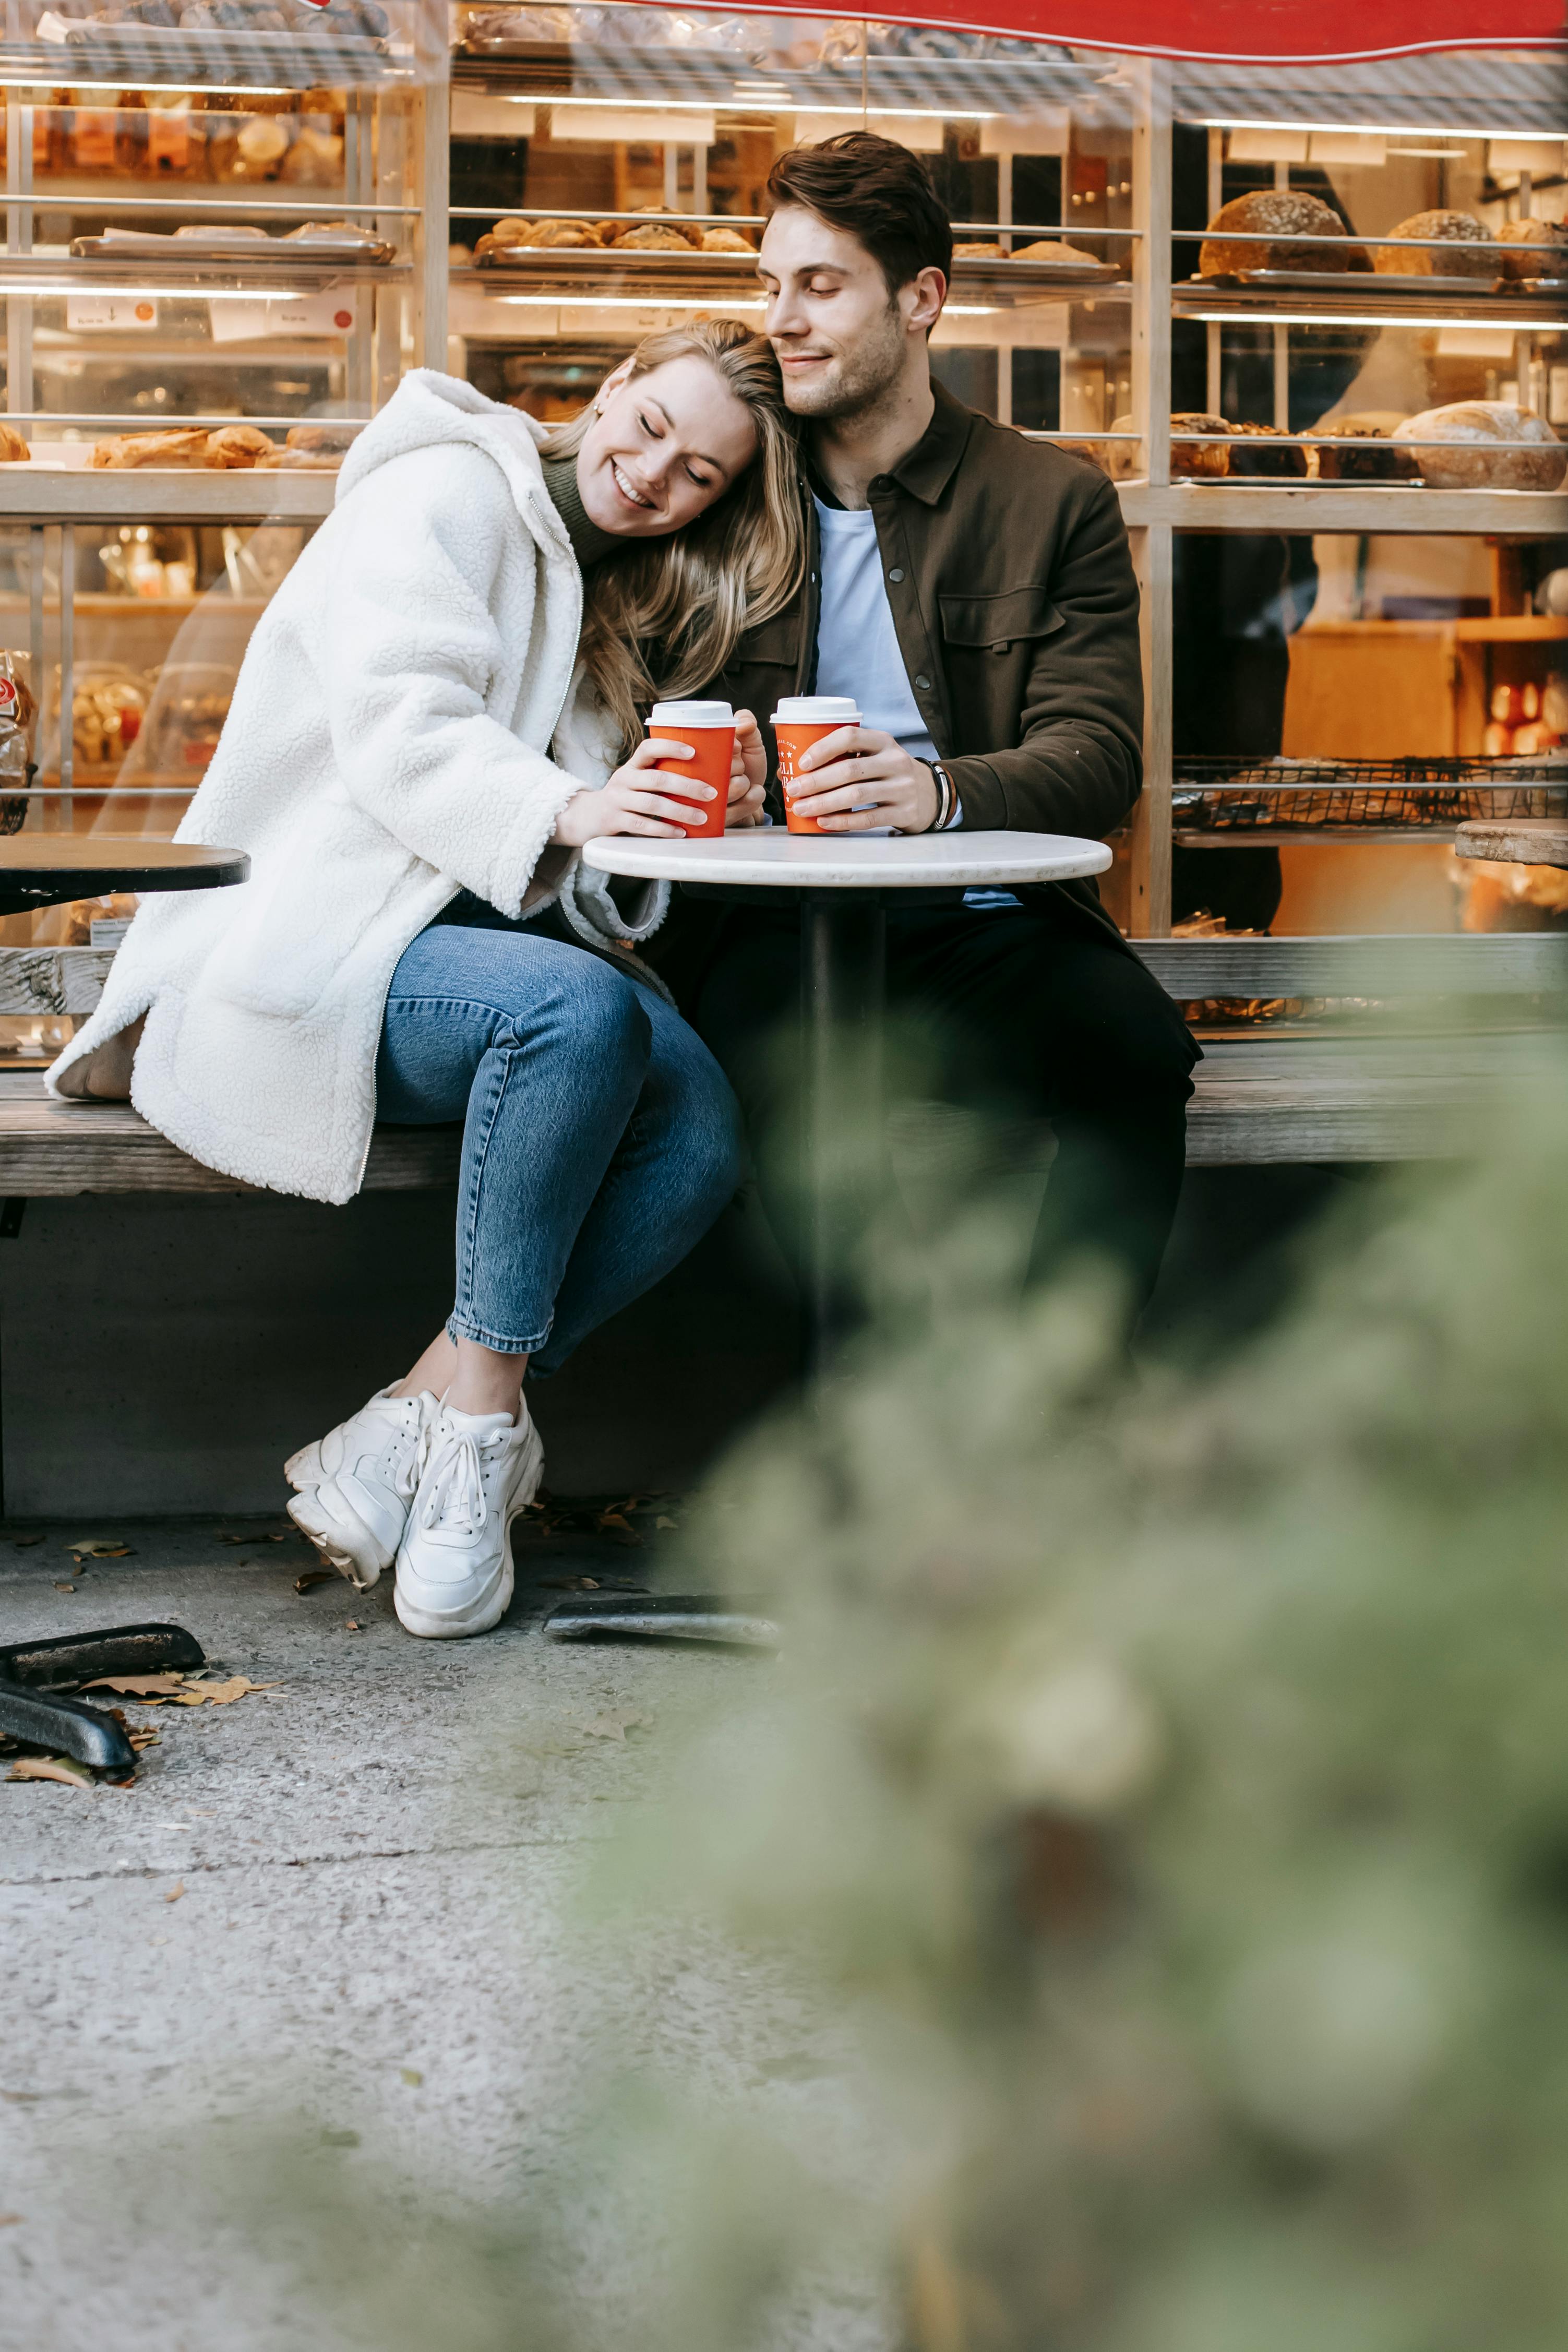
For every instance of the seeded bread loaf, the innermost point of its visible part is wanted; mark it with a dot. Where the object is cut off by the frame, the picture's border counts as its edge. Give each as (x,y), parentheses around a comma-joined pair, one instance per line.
(1278,214)
(1264,449)
(1362,453)
(1465,455)
(1467,249)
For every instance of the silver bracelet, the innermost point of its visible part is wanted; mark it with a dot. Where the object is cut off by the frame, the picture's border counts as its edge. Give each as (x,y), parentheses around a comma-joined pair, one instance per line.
(946,799)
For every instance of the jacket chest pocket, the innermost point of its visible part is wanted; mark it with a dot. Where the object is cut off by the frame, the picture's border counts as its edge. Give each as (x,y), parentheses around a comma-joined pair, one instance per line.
(996,623)
(777,641)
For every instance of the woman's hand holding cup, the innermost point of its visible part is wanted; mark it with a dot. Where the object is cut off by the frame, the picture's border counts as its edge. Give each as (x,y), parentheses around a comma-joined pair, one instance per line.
(636,799)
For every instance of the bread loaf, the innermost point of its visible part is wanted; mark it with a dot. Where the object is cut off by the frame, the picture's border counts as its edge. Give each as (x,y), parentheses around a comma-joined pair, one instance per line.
(977,252)
(238,445)
(1277,213)
(1264,449)
(727,240)
(13,450)
(1466,457)
(125,449)
(1534,248)
(1468,251)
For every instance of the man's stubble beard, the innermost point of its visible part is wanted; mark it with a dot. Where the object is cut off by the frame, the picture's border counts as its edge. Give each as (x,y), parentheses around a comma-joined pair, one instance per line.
(863,378)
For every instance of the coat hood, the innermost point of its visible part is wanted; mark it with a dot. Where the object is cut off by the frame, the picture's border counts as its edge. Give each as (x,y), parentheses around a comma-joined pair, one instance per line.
(432,411)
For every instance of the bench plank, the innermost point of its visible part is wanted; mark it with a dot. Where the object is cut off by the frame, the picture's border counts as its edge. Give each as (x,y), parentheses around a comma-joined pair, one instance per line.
(55,1149)
(1418,964)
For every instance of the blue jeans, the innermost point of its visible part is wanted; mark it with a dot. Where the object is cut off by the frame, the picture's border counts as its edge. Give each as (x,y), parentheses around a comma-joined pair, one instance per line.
(599,1137)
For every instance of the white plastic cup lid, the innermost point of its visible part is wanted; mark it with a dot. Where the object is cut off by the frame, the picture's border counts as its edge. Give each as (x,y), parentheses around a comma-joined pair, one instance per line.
(817,710)
(690,714)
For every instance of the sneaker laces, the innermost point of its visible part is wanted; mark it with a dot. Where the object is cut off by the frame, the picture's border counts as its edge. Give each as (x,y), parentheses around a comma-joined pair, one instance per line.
(452,1489)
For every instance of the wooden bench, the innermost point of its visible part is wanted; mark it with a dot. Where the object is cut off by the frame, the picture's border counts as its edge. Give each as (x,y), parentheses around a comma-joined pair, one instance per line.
(1371,1089)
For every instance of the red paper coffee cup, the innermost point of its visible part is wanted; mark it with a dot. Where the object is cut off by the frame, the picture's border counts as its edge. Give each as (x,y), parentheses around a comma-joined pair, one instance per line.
(800,720)
(709,728)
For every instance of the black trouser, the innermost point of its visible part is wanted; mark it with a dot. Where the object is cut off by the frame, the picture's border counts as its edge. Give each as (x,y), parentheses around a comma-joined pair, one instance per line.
(1011,1013)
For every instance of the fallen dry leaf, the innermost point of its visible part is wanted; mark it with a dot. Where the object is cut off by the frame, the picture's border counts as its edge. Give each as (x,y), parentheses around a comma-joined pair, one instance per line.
(167,1685)
(22,1542)
(663,1522)
(51,1768)
(9,2220)
(252,1539)
(313,1577)
(352,1625)
(112,1550)
(591,1584)
(225,1694)
(616,1727)
(65,1588)
(413,2077)
(174,1893)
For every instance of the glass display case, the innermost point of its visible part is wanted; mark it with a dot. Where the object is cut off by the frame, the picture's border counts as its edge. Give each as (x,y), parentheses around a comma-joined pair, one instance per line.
(215,268)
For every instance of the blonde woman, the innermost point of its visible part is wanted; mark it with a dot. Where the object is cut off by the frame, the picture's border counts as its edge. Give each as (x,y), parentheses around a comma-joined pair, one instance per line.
(438,708)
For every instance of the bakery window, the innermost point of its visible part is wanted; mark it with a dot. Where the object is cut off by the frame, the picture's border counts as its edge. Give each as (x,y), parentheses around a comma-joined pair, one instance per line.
(609,170)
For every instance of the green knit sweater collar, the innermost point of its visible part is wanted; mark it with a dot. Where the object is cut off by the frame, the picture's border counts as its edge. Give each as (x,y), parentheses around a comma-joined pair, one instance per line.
(588,543)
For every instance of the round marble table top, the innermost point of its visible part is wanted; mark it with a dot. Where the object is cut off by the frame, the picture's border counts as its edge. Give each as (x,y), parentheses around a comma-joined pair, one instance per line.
(770,857)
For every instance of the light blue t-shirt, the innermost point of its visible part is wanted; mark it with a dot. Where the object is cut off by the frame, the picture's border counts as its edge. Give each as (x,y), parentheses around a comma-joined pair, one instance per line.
(857,645)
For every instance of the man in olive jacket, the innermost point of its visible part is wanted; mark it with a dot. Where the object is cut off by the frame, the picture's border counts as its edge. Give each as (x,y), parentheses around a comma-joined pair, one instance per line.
(973,591)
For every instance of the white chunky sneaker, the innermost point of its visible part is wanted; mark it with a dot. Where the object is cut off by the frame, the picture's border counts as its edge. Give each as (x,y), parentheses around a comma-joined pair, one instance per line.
(454,1564)
(357,1483)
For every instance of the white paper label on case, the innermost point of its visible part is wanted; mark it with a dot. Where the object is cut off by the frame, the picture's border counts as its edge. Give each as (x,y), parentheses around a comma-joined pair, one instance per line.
(332,313)
(89,313)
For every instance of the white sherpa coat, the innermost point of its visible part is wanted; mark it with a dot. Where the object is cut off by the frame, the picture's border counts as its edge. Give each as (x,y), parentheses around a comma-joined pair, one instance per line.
(409,721)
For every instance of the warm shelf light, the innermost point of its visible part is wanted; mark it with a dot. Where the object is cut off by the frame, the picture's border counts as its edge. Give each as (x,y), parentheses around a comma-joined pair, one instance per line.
(1362,319)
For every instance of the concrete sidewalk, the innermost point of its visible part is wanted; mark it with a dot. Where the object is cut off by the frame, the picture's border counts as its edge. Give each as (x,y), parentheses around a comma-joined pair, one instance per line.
(349,1902)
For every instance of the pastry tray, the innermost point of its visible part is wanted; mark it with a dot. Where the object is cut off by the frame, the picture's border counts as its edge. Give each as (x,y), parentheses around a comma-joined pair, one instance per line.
(237,252)
(168,56)
(1377,292)
(715,277)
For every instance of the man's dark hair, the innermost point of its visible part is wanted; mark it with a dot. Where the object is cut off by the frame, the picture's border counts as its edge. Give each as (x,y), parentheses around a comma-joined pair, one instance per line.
(874,190)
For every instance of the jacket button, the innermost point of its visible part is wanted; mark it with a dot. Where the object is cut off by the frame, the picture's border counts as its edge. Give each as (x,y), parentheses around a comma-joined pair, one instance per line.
(924,684)
(895,576)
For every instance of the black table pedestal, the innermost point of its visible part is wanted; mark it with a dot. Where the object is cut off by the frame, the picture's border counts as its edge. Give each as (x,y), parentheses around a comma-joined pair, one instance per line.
(844,987)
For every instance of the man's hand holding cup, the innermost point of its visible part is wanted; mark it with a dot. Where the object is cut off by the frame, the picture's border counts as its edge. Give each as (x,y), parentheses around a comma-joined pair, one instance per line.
(838,776)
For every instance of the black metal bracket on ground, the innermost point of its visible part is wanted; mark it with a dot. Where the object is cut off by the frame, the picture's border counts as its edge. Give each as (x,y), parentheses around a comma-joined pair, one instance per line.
(32,1674)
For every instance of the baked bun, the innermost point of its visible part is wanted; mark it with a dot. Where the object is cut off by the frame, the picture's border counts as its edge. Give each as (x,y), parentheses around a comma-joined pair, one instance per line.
(1468,250)
(1466,459)
(977,252)
(319,438)
(237,446)
(1198,461)
(126,449)
(1534,248)
(1277,213)
(1352,460)
(654,239)
(1265,449)
(727,240)
(13,450)
(1051,248)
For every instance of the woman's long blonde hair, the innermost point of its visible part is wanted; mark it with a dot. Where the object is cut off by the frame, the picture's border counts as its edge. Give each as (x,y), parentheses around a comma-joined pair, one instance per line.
(661,621)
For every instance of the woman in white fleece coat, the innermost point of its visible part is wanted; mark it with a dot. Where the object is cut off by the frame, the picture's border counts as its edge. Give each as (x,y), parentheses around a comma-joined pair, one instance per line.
(424,732)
